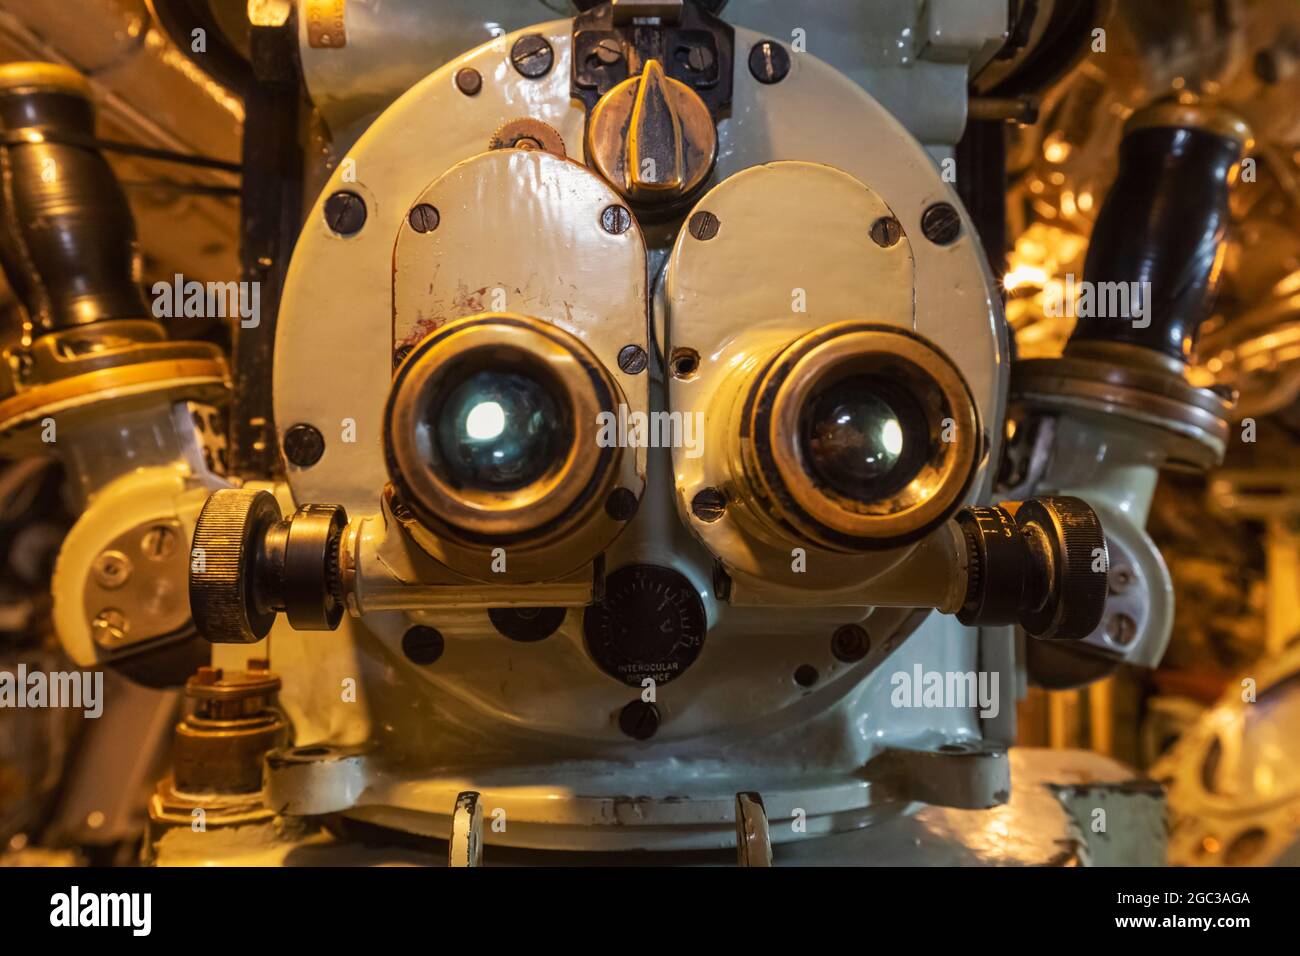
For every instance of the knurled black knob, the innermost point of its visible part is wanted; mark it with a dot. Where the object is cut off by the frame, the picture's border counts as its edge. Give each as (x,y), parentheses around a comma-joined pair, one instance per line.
(996,560)
(1044,569)
(1065,591)
(224,587)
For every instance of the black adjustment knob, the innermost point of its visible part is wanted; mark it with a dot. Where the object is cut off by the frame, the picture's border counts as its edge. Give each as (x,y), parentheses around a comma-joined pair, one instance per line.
(248,563)
(1044,569)
(224,590)
(995,569)
(1065,592)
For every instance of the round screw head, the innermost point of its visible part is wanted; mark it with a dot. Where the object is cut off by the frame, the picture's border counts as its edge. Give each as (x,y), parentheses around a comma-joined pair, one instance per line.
(769,61)
(709,504)
(632,359)
(639,720)
(423,218)
(112,569)
(941,223)
(469,81)
(1120,630)
(109,628)
(621,504)
(607,52)
(615,220)
(850,643)
(422,645)
(345,213)
(886,231)
(527,624)
(158,542)
(805,675)
(703,225)
(700,59)
(303,445)
(532,55)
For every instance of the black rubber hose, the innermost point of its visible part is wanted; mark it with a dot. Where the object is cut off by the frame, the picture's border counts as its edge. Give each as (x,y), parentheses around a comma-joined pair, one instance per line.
(1161,233)
(67,236)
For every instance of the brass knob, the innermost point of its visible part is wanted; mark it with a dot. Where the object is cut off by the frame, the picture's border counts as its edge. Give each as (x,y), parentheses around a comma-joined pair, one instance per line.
(652,138)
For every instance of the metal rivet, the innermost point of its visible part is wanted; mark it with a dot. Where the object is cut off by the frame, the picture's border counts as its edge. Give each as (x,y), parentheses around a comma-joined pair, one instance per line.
(941,223)
(303,445)
(423,218)
(345,213)
(615,220)
(639,720)
(769,61)
(469,81)
(422,645)
(621,504)
(709,504)
(632,359)
(704,225)
(532,55)
(886,231)
(850,643)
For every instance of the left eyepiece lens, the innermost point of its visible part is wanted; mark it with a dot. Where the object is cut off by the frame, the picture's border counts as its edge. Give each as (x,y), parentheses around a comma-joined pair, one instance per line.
(499,431)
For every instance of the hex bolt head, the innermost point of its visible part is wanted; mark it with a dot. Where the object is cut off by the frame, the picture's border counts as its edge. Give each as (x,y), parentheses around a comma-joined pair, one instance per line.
(532,55)
(769,61)
(112,569)
(709,504)
(632,359)
(621,504)
(615,220)
(704,225)
(423,645)
(423,218)
(345,213)
(303,445)
(886,231)
(941,224)
(850,643)
(639,720)
(469,81)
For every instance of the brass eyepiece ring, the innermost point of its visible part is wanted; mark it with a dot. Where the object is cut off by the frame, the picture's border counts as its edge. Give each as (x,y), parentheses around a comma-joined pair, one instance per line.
(565,488)
(937,437)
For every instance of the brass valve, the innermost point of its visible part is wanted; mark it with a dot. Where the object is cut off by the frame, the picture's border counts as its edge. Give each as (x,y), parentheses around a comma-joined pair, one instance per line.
(652,138)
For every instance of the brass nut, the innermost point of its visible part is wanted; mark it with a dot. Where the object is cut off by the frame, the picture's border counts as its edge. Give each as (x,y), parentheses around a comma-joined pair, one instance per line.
(112,569)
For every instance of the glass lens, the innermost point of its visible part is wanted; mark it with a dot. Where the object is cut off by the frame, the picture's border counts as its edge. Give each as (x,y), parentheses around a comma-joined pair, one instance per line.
(854,437)
(499,431)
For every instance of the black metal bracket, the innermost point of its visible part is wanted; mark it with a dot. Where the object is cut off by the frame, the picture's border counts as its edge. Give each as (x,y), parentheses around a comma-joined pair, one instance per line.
(697,50)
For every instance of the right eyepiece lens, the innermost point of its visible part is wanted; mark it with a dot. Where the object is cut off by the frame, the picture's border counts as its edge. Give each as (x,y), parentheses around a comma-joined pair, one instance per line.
(856,435)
